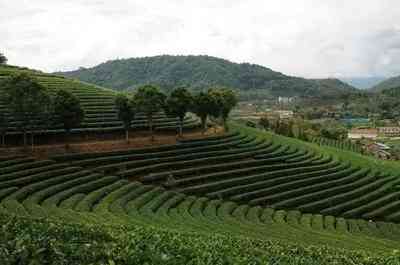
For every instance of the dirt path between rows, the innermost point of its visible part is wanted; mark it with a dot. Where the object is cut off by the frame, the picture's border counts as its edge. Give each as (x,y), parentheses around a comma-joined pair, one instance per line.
(44,151)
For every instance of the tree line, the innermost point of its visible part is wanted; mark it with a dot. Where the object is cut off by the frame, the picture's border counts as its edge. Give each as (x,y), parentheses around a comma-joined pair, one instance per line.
(302,129)
(217,103)
(31,108)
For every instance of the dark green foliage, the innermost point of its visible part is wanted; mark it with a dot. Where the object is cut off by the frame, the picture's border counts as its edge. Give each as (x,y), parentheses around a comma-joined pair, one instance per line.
(126,111)
(334,133)
(28,102)
(98,104)
(224,101)
(203,106)
(3,58)
(68,110)
(179,102)
(149,100)
(199,72)
(4,126)
(26,241)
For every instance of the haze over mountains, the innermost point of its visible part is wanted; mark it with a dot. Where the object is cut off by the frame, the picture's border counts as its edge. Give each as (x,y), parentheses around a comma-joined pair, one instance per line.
(201,72)
(390,83)
(363,82)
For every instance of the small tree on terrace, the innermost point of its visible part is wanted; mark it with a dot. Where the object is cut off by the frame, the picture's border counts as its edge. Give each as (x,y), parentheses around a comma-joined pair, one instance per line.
(4,121)
(28,102)
(215,107)
(3,58)
(264,122)
(149,100)
(4,124)
(68,110)
(202,105)
(224,100)
(126,112)
(229,101)
(178,104)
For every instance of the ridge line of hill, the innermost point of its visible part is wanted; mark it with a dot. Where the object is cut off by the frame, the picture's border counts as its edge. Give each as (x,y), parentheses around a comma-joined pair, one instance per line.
(203,71)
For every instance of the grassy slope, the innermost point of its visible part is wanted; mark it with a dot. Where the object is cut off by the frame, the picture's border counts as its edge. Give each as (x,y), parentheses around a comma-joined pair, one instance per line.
(391,167)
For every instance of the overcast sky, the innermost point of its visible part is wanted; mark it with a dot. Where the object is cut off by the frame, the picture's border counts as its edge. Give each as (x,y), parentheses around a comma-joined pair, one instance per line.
(310,38)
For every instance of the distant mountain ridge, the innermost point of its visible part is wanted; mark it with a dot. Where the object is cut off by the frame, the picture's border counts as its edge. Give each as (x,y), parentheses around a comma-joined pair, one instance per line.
(390,83)
(201,72)
(363,82)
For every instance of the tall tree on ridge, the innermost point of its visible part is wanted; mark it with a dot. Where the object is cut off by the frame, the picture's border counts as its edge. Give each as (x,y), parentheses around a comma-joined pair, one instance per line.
(27,101)
(224,101)
(202,105)
(68,111)
(4,121)
(126,112)
(229,101)
(3,58)
(4,124)
(178,104)
(149,100)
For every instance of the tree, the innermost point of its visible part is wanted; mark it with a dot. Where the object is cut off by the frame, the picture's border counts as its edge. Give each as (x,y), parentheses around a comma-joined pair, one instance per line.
(27,101)
(178,104)
(264,122)
(68,110)
(224,100)
(229,101)
(3,58)
(4,125)
(215,106)
(126,112)
(202,104)
(4,121)
(149,100)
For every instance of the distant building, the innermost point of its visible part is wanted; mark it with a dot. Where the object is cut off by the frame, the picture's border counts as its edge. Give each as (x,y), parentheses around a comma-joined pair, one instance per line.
(363,133)
(379,150)
(389,131)
(285,100)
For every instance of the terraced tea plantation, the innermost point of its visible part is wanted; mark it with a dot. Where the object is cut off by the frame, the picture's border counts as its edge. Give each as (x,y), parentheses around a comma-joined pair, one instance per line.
(241,186)
(98,104)
(257,172)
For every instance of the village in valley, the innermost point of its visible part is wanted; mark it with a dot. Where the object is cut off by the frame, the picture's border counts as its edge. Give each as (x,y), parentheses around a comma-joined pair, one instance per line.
(382,142)
(374,136)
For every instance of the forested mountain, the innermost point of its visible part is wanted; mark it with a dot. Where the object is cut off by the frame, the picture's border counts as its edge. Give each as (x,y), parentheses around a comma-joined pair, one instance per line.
(391,92)
(393,82)
(201,72)
(363,82)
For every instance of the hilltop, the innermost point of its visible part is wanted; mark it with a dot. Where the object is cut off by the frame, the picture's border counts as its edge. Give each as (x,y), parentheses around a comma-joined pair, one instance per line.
(203,71)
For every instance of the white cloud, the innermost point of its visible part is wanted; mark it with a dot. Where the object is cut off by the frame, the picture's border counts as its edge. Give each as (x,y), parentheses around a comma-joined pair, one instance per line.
(309,38)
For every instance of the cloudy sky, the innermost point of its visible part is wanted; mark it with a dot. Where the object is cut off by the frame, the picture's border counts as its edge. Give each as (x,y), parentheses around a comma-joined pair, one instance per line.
(310,38)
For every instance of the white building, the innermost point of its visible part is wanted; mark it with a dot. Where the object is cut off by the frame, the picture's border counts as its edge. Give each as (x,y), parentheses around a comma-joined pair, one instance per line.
(285,100)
